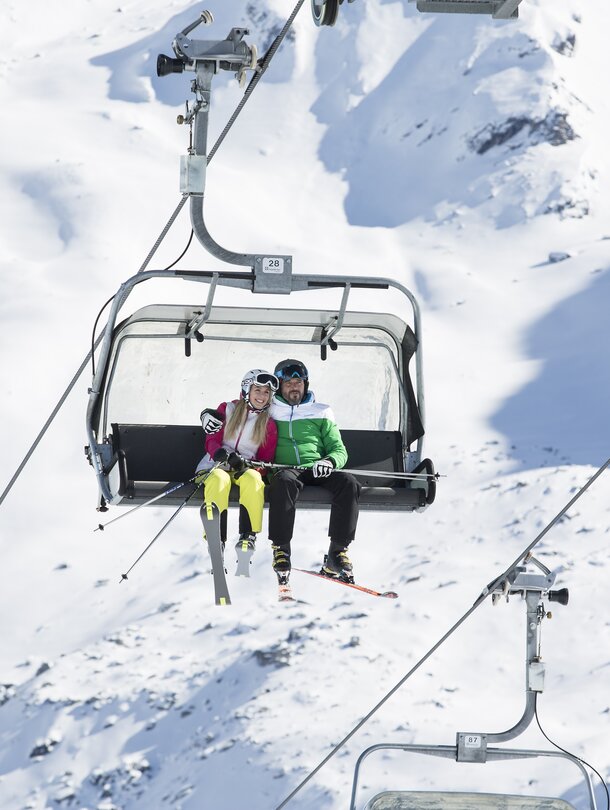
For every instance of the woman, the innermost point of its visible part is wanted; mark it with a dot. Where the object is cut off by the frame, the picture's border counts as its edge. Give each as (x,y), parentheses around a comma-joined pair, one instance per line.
(238,430)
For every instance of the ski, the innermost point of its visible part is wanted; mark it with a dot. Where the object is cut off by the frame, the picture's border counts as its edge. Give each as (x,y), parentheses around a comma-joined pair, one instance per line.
(211,523)
(339,581)
(245,551)
(284,590)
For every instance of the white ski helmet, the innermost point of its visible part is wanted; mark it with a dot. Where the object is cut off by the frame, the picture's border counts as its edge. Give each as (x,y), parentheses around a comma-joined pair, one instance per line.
(258,376)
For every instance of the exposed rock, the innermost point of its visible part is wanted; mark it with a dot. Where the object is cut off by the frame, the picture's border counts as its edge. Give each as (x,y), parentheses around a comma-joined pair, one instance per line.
(7,691)
(564,46)
(553,129)
(567,207)
(276,656)
(270,30)
(46,746)
(558,256)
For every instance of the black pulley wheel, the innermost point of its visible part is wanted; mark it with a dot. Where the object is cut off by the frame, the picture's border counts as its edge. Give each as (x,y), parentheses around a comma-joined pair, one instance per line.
(325,13)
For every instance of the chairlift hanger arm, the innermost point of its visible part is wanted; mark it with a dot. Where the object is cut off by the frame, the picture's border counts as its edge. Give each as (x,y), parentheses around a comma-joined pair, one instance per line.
(206,58)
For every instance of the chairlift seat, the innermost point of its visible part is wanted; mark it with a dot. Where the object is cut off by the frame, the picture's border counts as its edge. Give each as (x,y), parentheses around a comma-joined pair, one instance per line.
(498,9)
(435,800)
(151,458)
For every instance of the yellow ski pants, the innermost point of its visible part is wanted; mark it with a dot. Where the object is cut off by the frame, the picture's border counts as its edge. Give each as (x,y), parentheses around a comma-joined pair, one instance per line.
(251,493)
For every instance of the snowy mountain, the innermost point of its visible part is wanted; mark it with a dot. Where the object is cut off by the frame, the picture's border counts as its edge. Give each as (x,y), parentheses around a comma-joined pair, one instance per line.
(464,157)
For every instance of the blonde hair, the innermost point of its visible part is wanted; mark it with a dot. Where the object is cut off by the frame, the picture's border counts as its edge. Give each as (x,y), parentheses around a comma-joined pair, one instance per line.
(238,419)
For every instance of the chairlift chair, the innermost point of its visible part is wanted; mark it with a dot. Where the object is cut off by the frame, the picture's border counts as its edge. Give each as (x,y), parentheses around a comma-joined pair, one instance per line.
(532,581)
(160,366)
(163,363)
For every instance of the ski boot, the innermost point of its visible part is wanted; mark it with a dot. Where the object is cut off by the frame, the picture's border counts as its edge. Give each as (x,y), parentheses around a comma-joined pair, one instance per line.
(338,565)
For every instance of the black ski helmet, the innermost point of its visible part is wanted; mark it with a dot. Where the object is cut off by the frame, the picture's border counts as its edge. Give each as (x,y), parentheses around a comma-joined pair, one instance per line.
(288,369)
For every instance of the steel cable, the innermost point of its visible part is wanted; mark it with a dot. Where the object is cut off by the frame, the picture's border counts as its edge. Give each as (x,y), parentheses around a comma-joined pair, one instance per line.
(262,66)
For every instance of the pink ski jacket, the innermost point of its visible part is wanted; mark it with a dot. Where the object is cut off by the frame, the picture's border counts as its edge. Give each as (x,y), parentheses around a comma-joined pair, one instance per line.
(241,443)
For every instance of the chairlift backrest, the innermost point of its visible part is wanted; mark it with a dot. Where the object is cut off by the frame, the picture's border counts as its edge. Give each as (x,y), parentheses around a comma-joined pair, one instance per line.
(152,458)
(436,800)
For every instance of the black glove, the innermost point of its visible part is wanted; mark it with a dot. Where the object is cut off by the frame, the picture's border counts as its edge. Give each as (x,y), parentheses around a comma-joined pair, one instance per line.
(221,455)
(236,462)
(211,421)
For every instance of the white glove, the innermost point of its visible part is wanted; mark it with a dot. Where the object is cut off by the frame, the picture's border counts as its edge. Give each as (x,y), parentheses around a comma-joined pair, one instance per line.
(210,422)
(322,468)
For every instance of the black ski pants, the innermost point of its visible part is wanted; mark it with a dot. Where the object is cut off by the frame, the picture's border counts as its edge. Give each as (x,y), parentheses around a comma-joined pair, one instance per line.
(283,495)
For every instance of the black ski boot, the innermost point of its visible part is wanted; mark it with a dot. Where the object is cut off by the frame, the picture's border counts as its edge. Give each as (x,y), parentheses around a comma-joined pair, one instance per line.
(338,564)
(281,559)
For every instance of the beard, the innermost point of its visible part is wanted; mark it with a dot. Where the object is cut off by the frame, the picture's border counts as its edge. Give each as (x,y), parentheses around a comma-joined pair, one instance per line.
(294,397)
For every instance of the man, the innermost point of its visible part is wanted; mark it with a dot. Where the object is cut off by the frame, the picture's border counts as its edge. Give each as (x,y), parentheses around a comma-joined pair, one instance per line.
(309,437)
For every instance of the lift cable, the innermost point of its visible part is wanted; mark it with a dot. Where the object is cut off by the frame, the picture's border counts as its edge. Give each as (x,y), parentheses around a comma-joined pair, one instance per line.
(262,66)
(83,365)
(94,343)
(487,591)
(260,69)
(574,756)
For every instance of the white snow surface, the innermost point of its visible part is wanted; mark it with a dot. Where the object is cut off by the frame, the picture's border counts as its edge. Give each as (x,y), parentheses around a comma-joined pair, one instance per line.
(462,156)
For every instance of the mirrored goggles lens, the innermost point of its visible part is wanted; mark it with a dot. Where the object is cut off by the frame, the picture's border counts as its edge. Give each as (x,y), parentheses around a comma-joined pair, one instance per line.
(292,372)
(267,379)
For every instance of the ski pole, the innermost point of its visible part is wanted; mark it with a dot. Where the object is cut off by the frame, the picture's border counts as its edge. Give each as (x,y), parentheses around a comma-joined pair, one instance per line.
(160,532)
(389,474)
(165,525)
(102,526)
(271,465)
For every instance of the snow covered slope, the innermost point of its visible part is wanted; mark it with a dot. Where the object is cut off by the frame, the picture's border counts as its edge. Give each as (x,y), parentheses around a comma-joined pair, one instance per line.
(465,157)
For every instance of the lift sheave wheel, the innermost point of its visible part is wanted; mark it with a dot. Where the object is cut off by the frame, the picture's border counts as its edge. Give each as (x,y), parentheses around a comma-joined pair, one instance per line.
(325,13)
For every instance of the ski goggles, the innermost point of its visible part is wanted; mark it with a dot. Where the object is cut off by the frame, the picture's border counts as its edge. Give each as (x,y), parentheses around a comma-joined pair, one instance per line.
(264,378)
(296,371)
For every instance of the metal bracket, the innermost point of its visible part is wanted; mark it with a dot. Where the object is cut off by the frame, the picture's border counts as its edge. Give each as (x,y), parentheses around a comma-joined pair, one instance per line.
(192,173)
(272,273)
(471,747)
(195,323)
